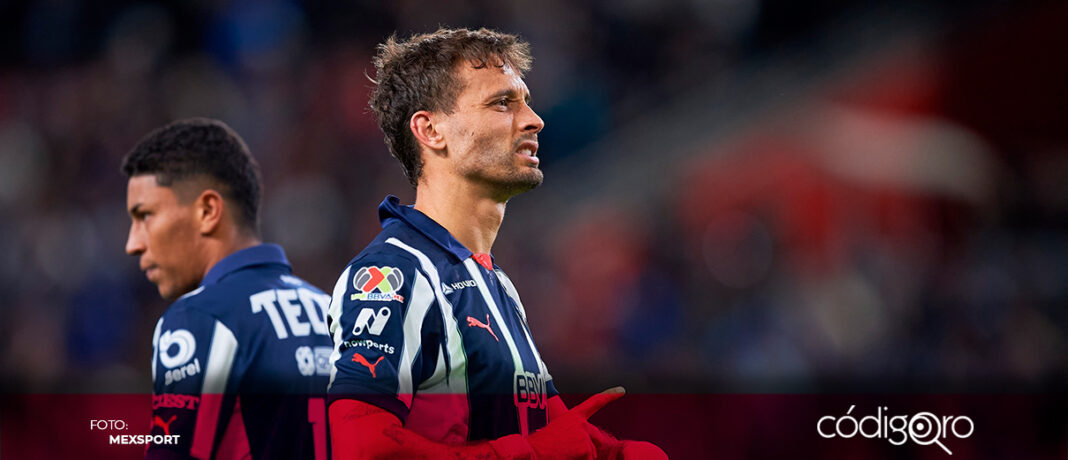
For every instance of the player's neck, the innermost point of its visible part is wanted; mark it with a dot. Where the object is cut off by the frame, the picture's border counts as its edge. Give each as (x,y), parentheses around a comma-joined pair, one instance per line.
(466,212)
(216,248)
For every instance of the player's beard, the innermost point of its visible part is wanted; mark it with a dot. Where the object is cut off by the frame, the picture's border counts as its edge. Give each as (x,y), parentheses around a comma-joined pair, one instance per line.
(500,169)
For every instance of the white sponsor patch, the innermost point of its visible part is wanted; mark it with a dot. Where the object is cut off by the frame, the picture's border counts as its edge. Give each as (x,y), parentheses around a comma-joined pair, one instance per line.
(176,348)
(370,321)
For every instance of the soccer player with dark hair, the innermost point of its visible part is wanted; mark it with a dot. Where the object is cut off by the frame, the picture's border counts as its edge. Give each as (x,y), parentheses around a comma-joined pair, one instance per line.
(433,357)
(240,359)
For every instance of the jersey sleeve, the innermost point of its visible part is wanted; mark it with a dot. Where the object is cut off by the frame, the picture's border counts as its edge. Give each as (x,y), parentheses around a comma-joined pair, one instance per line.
(377,314)
(193,356)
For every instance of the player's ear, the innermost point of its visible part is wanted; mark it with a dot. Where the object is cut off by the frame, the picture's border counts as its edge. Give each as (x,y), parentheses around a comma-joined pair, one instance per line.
(425,128)
(208,211)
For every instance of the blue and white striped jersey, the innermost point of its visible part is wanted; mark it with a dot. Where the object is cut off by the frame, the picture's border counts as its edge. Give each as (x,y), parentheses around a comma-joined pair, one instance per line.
(425,331)
(240,364)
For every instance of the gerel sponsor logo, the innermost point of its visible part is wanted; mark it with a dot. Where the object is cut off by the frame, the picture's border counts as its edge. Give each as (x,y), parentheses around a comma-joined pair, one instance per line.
(177,375)
(923,428)
(378,284)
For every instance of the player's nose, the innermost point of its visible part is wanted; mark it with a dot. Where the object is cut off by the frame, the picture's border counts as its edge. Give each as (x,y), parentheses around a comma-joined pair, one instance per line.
(135,242)
(531,122)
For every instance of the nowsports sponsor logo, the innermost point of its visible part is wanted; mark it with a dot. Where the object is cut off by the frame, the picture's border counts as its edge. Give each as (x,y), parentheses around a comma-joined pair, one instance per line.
(378,284)
(368,344)
(369,321)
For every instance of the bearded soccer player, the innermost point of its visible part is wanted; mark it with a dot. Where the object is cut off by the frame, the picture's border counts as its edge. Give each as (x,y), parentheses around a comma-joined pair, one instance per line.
(433,356)
(240,359)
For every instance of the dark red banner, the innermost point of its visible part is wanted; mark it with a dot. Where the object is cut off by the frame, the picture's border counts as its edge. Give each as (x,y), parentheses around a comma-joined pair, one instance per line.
(973,426)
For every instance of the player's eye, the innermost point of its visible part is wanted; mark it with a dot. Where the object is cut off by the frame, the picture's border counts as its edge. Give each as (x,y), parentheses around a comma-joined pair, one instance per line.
(503,102)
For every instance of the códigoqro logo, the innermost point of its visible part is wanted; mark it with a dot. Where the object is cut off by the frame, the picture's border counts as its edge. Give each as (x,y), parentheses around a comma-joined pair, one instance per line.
(923,428)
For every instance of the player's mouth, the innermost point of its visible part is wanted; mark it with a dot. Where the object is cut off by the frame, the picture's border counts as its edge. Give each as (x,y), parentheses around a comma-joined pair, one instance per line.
(528,151)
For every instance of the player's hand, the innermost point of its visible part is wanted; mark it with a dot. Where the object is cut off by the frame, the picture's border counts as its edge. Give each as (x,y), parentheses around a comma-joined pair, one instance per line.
(610,448)
(566,436)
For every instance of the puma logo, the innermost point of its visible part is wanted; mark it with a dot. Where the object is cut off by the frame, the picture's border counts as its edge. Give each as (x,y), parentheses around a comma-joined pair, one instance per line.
(476,323)
(165,425)
(358,358)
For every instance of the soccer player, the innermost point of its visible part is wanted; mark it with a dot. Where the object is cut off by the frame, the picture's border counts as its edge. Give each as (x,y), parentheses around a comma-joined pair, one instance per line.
(433,356)
(240,359)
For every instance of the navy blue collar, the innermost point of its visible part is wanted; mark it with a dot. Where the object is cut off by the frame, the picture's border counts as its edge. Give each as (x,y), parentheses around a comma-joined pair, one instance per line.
(391,209)
(256,255)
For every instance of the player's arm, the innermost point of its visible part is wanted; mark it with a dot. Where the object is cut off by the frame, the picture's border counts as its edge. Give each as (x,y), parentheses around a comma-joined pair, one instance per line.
(377,301)
(192,368)
(380,300)
(364,431)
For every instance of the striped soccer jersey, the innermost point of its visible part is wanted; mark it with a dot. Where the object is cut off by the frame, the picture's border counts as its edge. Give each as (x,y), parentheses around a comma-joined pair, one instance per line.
(425,331)
(240,364)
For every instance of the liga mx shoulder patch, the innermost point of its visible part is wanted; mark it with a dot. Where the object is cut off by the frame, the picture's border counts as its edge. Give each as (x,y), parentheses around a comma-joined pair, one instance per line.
(378,284)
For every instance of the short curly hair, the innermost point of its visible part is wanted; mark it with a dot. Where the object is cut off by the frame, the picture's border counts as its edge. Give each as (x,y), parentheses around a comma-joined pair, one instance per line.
(201,148)
(420,74)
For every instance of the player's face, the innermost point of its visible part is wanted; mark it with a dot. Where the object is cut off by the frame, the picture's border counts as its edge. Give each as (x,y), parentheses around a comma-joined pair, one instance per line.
(493,132)
(164,234)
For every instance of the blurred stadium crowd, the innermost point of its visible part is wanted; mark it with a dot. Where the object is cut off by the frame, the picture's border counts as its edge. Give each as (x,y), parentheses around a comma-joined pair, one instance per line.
(740,195)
